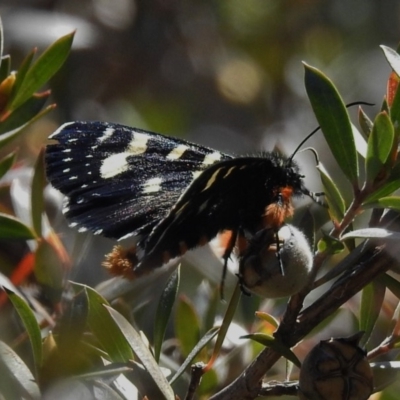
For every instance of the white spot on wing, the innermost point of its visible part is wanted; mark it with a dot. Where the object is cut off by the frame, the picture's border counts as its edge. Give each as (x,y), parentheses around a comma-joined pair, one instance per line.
(82,229)
(196,174)
(66,170)
(152,185)
(61,128)
(117,163)
(229,171)
(177,152)
(212,158)
(212,179)
(106,134)
(125,236)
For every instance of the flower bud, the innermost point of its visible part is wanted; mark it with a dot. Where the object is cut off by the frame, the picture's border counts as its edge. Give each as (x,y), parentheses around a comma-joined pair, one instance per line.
(336,369)
(270,273)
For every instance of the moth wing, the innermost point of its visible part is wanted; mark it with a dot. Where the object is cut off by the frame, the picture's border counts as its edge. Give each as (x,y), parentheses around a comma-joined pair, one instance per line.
(120,181)
(214,202)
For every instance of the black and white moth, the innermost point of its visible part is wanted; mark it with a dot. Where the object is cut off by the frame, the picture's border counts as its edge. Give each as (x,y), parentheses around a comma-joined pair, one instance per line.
(170,194)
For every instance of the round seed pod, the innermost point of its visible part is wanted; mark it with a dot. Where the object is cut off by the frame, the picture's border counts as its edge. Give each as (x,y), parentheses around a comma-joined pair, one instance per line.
(336,369)
(268,272)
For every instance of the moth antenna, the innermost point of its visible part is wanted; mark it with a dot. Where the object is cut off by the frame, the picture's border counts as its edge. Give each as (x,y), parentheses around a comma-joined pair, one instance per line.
(356,103)
(290,159)
(315,196)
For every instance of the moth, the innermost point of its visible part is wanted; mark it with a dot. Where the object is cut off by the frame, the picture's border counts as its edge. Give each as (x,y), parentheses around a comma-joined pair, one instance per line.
(169,194)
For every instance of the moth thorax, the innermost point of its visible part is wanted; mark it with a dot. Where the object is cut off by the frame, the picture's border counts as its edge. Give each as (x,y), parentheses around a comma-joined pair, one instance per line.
(282,208)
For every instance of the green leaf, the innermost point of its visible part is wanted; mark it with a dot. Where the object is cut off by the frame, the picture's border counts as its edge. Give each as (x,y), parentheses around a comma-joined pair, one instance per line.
(143,353)
(105,329)
(13,228)
(9,136)
(369,233)
(393,58)
(365,123)
(31,326)
(226,322)
(49,271)
(17,372)
(73,324)
(392,284)
(336,203)
(330,245)
(23,114)
(267,318)
(195,351)
(384,191)
(187,325)
(6,163)
(214,301)
(37,200)
(371,303)
(392,202)
(165,305)
(42,70)
(20,76)
(274,344)
(360,142)
(334,120)
(380,144)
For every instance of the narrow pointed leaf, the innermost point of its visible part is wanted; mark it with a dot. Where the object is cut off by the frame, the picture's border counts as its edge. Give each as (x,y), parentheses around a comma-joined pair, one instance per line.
(267,318)
(274,344)
(11,135)
(371,303)
(49,271)
(23,114)
(17,370)
(37,200)
(392,284)
(6,163)
(337,206)
(195,351)
(164,309)
(31,325)
(393,58)
(20,76)
(334,120)
(384,191)
(43,69)
(372,233)
(105,329)
(12,228)
(187,325)
(226,322)
(365,123)
(143,353)
(360,142)
(380,144)
(392,202)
